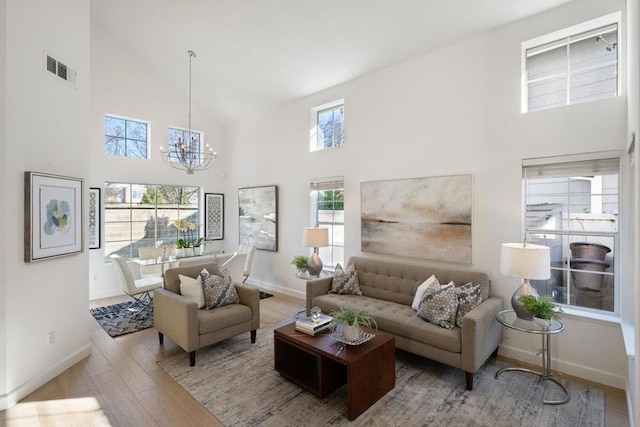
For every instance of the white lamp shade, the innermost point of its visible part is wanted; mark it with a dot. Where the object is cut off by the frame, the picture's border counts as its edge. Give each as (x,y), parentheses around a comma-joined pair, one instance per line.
(525,261)
(315,237)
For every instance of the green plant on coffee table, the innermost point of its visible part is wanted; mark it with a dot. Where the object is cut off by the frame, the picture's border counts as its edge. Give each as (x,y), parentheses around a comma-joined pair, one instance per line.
(352,316)
(300,261)
(542,307)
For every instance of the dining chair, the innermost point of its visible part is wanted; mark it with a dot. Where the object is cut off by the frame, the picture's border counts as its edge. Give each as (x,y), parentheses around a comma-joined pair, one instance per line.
(150,252)
(134,285)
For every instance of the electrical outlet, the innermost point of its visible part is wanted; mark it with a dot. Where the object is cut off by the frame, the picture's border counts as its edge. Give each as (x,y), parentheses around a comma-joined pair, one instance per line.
(52,338)
(95,277)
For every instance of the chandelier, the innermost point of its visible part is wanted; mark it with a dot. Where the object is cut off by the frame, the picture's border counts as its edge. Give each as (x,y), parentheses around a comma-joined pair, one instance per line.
(186,154)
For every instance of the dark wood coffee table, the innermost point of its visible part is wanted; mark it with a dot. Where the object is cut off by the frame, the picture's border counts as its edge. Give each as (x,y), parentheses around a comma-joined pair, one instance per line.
(316,364)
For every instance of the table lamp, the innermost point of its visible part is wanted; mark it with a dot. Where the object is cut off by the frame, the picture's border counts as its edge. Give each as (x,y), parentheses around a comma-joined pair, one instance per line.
(315,237)
(527,262)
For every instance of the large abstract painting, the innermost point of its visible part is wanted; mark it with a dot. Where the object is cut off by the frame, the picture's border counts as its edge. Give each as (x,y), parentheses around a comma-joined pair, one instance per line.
(258,216)
(426,218)
(53,216)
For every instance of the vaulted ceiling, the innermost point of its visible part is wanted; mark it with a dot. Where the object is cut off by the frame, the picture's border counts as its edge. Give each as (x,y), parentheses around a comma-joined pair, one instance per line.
(252,54)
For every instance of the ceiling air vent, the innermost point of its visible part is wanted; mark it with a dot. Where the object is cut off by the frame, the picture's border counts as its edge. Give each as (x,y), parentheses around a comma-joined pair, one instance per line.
(61,70)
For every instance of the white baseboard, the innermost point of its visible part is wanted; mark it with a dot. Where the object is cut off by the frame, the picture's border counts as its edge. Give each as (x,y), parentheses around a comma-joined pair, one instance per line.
(276,288)
(14,396)
(565,367)
(105,294)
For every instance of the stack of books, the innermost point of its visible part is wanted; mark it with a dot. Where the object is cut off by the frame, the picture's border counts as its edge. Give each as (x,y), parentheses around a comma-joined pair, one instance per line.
(311,327)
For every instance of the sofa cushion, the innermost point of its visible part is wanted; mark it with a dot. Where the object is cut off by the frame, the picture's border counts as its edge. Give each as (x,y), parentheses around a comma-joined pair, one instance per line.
(219,290)
(345,281)
(440,306)
(222,317)
(469,297)
(192,288)
(396,319)
(417,299)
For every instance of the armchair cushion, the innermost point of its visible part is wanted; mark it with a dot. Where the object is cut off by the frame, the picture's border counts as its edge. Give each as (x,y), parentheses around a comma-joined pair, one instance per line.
(219,290)
(192,288)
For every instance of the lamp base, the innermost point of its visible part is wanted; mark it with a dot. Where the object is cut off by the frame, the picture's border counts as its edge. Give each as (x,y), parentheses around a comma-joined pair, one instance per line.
(314,265)
(517,305)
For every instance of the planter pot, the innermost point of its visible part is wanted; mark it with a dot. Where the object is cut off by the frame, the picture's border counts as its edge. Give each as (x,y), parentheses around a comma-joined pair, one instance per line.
(179,252)
(588,279)
(351,333)
(587,250)
(543,323)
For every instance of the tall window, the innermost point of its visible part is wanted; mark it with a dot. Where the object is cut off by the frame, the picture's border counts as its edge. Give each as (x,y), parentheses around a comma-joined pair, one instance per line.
(327,126)
(140,215)
(327,210)
(572,206)
(126,138)
(575,65)
(183,135)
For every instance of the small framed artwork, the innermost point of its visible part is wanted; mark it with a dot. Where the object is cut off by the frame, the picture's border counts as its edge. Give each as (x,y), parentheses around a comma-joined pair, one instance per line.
(94,218)
(52,216)
(258,216)
(214,216)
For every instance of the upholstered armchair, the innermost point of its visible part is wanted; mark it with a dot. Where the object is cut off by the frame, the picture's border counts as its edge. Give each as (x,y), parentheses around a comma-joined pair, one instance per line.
(191,328)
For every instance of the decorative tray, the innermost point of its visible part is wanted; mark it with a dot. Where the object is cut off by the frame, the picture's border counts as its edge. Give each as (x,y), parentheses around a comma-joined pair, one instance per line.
(364,337)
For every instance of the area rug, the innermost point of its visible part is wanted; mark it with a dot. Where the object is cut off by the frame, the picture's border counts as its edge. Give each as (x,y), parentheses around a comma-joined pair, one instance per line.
(117,320)
(235,380)
(264,295)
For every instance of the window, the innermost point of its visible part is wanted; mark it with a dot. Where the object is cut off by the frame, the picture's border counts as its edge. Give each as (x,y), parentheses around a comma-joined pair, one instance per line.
(138,215)
(176,134)
(575,65)
(327,126)
(327,211)
(126,138)
(572,206)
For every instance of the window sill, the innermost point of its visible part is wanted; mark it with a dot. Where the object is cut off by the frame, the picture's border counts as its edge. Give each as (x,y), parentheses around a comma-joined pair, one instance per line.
(590,316)
(628,335)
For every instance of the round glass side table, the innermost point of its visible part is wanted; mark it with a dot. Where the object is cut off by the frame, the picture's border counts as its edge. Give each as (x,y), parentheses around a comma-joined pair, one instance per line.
(509,319)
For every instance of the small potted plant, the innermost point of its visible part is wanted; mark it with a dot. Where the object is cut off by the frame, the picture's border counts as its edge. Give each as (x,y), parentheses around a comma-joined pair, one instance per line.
(351,319)
(542,308)
(300,261)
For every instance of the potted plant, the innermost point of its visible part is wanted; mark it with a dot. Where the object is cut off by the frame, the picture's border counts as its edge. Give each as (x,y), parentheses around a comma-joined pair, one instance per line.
(187,242)
(300,261)
(351,319)
(542,308)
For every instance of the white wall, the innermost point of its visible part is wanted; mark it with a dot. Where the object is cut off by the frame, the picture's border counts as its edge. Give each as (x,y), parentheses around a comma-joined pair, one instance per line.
(121,84)
(45,130)
(453,111)
(3,208)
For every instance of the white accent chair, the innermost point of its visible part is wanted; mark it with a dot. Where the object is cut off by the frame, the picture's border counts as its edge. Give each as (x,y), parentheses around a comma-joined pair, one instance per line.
(133,284)
(150,252)
(248,262)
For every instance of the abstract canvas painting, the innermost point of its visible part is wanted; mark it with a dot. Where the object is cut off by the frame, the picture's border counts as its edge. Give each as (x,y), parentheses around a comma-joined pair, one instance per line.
(214,216)
(258,216)
(426,218)
(53,216)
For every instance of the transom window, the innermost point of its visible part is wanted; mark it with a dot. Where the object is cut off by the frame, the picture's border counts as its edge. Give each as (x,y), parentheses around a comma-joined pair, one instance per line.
(137,215)
(327,126)
(177,134)
(573,207)
(327,211)
(572,66)
(126,138)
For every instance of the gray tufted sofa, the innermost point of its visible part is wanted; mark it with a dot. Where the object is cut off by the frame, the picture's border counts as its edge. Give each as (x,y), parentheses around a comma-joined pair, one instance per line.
(388,289)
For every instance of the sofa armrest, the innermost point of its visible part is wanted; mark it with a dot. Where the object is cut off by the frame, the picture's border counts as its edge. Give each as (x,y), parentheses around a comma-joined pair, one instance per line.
(317,287)
(250,296)
(176,317)
(481,334)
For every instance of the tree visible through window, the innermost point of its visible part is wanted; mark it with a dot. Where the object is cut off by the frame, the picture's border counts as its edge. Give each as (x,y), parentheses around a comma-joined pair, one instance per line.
(139,215)
(125,138)
(327,126)
(176,134)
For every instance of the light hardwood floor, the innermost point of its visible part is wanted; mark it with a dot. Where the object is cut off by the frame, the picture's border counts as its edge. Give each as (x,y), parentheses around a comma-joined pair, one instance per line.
(120,384)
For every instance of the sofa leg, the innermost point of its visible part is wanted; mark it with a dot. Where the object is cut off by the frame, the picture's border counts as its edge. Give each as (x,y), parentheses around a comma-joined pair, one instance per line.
(253,336)
(468,377)
(161,337)
(192,358)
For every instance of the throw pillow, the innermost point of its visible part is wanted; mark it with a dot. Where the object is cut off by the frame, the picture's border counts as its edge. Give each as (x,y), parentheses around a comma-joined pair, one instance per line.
(417,299)
(440,307)
(219,290)
(345,281)
(192,288)
(469,297)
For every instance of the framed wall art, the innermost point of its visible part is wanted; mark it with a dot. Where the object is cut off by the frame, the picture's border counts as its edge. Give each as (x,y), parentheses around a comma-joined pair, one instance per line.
(94,236)
(214,216)
(52,216)
(426,218)
(258,216)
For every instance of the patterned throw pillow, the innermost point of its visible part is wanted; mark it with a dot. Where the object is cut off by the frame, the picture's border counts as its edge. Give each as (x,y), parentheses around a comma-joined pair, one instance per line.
(345,281)
(426,286)
(469,297)
(440,307)
(219,290)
